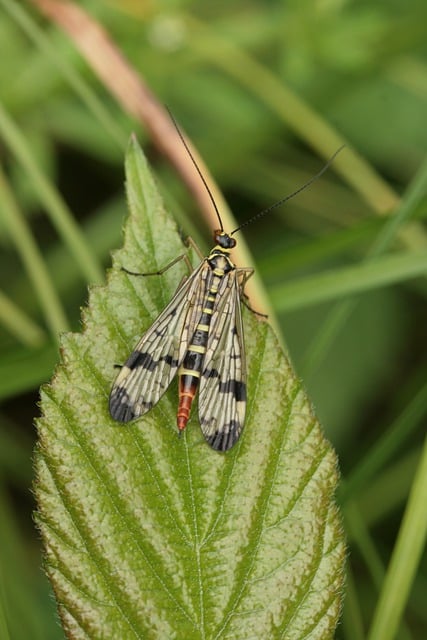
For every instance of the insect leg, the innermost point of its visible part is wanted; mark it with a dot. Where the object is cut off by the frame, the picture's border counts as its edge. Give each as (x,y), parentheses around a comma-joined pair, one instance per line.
(245,299)
(190,243)
(183,256)
(246,273)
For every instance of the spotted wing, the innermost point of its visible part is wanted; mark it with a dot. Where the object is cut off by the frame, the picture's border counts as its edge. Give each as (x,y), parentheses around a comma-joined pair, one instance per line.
(148,371)
(222,395)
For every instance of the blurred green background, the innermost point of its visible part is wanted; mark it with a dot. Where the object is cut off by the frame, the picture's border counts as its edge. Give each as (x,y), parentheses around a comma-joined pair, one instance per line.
(362,67)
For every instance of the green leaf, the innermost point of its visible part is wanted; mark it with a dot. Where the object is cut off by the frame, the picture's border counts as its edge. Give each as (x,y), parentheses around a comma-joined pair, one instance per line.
(148,535)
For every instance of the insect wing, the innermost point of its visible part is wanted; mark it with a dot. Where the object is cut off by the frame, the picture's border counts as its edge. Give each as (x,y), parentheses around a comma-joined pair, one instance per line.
(222,395)
(147,373)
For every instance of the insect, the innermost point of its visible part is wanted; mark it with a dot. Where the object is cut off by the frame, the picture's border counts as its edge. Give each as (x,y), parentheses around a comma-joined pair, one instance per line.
(199,338)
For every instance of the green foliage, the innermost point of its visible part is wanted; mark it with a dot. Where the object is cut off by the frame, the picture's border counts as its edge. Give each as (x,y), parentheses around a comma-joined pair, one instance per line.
(148,535)
(258,86)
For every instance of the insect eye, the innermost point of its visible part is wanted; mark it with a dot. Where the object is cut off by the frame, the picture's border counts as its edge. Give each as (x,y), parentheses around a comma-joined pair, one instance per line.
(224,240)
(227,242)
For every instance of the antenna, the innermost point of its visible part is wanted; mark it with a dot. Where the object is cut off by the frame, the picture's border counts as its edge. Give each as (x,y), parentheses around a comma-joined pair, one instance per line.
(196,166)
(264,211)
(291,195)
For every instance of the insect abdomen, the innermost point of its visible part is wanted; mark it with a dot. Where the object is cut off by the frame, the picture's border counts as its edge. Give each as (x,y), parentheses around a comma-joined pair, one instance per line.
(191,367)
(188,383)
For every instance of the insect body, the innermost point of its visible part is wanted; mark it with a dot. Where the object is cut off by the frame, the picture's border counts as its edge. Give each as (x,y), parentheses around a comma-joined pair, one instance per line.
(198,336)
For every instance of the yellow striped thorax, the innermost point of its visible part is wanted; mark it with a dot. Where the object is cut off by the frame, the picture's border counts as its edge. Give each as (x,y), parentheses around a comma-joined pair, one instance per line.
(219,258)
